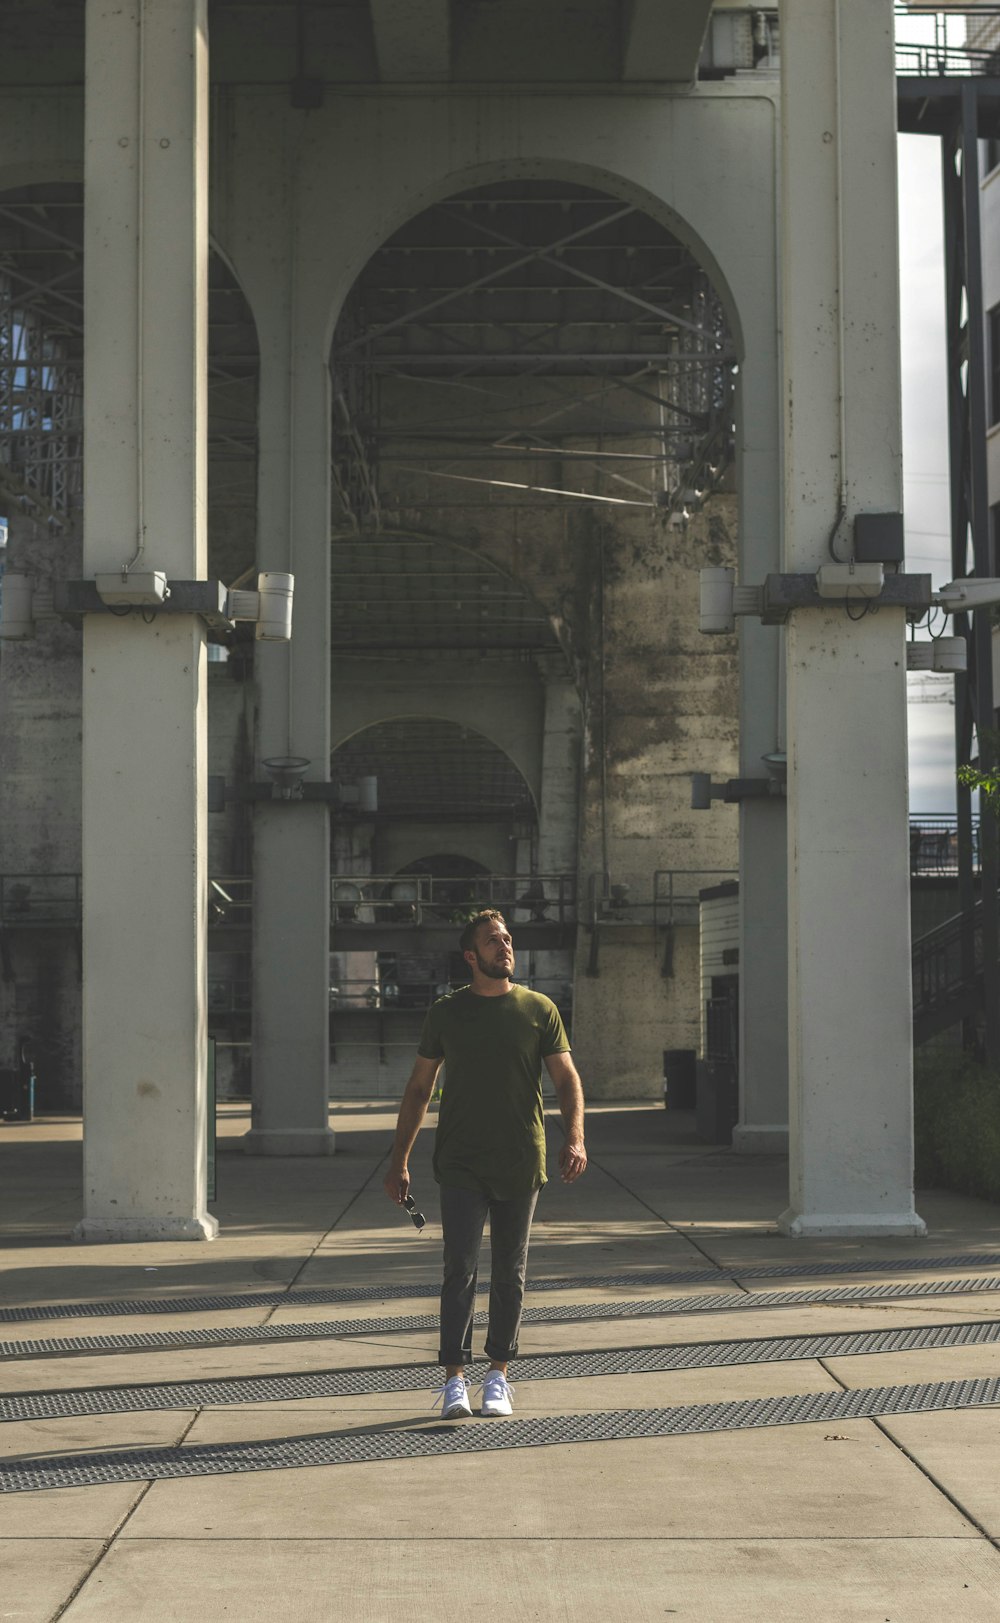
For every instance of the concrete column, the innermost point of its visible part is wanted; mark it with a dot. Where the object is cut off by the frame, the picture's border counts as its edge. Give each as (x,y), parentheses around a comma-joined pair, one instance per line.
(144,684)
(850,1123)
(558,813)
(558,809)
(268,228)
(763,1123)
(291,919)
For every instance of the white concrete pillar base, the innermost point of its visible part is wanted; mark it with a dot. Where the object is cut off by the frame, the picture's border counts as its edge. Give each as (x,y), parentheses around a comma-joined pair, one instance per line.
(749,1139)
(289,1141)
(850,1225)
(128,1230)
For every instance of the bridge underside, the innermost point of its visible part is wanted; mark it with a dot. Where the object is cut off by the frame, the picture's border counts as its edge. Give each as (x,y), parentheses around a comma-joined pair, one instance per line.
(470,322)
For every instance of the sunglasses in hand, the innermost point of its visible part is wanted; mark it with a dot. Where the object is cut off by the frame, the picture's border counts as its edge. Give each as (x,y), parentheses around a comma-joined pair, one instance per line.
(416,1218)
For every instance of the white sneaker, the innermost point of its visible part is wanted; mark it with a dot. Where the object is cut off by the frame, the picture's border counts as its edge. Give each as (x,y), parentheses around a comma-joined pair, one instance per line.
(453,1397)
(497,1394)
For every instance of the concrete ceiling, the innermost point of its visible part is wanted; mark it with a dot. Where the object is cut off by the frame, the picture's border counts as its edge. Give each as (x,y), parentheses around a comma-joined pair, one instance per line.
(310,44)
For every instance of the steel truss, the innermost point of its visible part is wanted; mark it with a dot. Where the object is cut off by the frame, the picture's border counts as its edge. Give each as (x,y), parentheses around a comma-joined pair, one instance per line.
(41,400)
(676,356)
(41,360)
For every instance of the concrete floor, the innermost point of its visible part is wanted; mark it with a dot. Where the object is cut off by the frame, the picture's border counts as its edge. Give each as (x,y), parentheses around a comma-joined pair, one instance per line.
(897,1519)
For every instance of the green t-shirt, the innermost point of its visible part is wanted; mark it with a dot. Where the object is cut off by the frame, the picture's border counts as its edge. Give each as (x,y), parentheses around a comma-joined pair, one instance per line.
(491,1128)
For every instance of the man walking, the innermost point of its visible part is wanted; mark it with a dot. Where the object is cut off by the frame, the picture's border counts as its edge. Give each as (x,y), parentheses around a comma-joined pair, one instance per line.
(489,1151)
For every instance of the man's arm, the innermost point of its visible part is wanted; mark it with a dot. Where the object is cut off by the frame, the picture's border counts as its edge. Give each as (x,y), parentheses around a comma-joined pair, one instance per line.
(411,1114)
(569,1096)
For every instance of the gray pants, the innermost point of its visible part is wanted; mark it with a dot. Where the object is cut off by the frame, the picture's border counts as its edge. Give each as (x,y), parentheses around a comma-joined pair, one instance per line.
(463,1218)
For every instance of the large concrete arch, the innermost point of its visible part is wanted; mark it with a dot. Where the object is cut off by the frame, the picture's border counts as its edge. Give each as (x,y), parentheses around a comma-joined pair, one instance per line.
(576,170)
(306,200)
(507,703)
(336,186)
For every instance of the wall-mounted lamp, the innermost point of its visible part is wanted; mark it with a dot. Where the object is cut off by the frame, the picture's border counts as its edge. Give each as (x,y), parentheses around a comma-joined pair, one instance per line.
(347,899)
(943,654)
(286,773)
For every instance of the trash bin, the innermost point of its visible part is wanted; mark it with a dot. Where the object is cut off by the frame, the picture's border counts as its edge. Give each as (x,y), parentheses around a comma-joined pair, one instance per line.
(17,1095)
(680,1086)
(718,1100)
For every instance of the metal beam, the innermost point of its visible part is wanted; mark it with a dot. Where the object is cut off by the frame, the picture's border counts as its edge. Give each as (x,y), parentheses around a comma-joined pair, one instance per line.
(668,317)
(658,358)
(371,334)
(412,40)
(516,484)
(662,39)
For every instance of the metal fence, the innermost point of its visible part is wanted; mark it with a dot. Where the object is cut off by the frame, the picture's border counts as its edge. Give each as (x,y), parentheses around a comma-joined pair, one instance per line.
(28,899)
(419,898)
(934,846)
(937,42)
(676,893)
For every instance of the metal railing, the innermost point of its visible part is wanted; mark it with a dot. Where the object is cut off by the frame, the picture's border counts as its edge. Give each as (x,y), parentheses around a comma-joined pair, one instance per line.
(947,966)
(420,899)
(676,893)
(50,899)
(391,996)
(29,900)
(936,48)
(934,846)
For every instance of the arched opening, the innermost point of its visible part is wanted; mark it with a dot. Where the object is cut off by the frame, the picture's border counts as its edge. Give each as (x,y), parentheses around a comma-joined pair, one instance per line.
(543,376)
(435,821)
(534,343)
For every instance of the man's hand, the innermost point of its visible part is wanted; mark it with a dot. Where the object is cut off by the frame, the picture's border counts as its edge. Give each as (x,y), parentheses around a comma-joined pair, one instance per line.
(572,1160)
(396,1184)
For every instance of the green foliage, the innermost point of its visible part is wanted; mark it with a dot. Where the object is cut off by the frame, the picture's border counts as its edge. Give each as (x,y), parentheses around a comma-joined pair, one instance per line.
(988,781)
(956,1124)
(988,784)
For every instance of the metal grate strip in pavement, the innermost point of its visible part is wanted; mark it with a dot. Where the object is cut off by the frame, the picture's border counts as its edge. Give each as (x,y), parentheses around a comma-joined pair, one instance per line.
(617,1425)
(330,1295)
(655,1307)
(538,1367)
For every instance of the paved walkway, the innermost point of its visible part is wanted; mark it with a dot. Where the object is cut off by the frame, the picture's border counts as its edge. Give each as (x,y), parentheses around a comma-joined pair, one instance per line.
(893,1518)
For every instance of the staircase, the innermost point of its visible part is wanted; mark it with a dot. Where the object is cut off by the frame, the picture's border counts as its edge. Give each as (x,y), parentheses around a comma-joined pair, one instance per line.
(948,974)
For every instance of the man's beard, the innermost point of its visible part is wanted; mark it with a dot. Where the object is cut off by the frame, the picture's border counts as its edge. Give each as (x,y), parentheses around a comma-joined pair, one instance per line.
(495,972)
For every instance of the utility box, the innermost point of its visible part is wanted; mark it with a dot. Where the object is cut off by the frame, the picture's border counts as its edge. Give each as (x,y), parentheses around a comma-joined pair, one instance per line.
(680,1084)
(718,1106)
(719,950)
